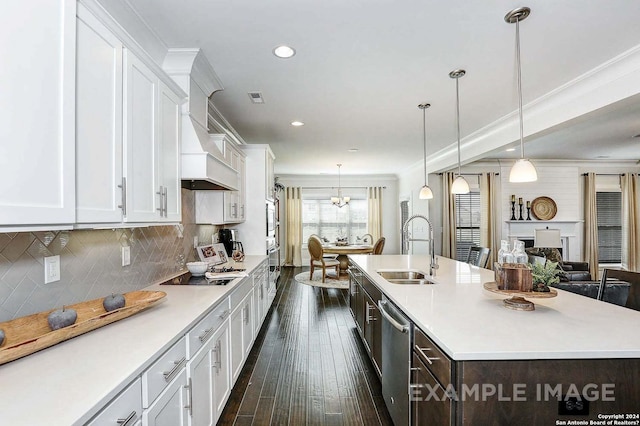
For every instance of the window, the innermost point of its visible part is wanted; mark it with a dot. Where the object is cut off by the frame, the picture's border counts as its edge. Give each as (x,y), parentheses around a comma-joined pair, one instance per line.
(467,223)
(322,218)
(609,211)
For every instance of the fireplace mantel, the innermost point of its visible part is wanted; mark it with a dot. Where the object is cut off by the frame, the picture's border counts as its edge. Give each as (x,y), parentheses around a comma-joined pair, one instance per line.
(525,229)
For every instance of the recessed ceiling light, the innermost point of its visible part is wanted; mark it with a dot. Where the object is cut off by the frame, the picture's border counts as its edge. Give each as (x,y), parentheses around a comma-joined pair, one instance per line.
(284,51)
(510,149)
(297,123)
(603,156)
(353,150)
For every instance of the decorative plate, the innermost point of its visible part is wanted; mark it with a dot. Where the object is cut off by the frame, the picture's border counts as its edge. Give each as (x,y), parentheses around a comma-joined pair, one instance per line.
(544,208)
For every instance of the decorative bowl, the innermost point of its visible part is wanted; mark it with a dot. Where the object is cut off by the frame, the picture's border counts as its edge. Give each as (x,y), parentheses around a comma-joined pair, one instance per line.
(197,269)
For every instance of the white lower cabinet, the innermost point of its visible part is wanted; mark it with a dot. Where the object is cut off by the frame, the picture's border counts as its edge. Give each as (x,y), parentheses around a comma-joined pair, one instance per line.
(241,333)
(171,408)
(221,376)
(124,410)
(201,386)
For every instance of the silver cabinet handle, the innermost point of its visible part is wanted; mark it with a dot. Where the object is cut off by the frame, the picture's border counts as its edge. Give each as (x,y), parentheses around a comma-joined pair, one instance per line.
(400,327)
(161,194)
(168,375)
(123,205)
(369,317)
(235,209)
(246,315)
(190,397)
(224,314)
(129,420)
(166,202)
(204,336)
(218,362)
(422,352)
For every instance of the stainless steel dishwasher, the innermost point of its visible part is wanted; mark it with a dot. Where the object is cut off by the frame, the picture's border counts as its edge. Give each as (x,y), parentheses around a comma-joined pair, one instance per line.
(396,361)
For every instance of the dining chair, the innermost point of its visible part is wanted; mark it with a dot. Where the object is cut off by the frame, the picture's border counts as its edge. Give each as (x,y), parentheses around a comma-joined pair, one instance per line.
(367,239)
(316,252)
(378,246)
(478,256)
(324,255)
(633,278)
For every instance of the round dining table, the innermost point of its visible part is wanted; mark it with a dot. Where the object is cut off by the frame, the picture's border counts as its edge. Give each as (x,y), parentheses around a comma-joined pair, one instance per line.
(344,250)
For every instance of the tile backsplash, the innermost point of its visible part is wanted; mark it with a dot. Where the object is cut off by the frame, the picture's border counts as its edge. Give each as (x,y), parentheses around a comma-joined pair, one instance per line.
(91,262)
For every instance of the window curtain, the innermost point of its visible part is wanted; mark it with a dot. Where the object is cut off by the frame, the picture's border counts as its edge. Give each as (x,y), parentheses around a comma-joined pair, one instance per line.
(448,217)
(374,221)
(591,224)
(293,229)
(490,215)
(630,238)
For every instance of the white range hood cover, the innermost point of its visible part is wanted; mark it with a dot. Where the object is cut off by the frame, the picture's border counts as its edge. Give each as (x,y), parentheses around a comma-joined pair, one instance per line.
(202,154)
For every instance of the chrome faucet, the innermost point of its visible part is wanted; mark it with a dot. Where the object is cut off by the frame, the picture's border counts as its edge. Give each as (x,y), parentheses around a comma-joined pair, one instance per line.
(405,237)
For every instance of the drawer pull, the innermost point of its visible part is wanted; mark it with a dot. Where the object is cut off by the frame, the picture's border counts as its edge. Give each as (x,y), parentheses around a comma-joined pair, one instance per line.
(190,398)
(168,375)
(218,362)
(422,352)
(224,314)
(129,420)
(204,336)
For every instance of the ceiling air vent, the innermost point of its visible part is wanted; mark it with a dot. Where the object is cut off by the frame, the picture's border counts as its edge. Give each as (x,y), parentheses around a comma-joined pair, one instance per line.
(256,97)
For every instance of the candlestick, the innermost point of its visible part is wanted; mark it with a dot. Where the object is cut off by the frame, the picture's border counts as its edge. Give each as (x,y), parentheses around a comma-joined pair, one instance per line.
(528,211)
(513,209)
(521,218)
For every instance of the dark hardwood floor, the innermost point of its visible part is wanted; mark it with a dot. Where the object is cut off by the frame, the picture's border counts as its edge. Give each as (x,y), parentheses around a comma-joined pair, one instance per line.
(308,365)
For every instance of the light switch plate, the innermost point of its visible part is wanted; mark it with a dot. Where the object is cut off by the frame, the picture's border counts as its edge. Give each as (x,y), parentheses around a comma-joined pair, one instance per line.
(126,256)
(195,241)
(51,269)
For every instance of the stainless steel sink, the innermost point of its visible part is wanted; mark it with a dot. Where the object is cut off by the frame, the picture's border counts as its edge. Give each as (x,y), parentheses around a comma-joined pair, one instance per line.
(404,276)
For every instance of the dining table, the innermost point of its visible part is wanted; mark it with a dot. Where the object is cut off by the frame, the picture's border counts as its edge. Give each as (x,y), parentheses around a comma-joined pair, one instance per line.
(344,250)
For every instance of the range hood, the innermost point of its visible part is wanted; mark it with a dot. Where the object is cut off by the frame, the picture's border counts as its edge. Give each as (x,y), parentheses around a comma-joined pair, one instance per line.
(204,164)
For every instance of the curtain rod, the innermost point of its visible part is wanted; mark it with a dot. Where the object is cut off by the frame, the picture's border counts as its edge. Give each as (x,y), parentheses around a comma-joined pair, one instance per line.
(468,174)
(606,174)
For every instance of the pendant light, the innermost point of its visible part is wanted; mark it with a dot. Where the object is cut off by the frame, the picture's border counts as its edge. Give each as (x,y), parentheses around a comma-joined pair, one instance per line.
(340,201)
(460,185)
(425,192)
(523,170)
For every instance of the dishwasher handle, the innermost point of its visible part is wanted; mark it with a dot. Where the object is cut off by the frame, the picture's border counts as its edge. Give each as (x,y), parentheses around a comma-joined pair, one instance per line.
(400,327)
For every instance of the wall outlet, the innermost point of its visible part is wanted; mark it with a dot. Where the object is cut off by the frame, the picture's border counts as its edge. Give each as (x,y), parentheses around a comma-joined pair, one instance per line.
(51,269)
(195,241)
(126,255)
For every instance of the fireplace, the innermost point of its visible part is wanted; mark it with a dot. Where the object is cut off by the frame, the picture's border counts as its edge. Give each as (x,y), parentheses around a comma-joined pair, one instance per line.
(524,230)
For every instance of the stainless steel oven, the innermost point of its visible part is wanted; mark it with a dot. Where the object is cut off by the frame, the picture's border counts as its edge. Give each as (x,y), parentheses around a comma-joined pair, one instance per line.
(274,263)
(271,220)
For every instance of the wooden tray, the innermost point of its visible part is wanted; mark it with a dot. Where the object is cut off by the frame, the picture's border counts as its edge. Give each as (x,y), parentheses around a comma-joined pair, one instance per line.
(26,335)
(517,301)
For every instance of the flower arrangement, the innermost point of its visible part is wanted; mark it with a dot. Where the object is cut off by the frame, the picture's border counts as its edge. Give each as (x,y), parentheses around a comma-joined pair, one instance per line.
(544,275)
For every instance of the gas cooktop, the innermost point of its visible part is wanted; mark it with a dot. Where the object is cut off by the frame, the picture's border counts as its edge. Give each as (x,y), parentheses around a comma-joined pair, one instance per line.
(188,279)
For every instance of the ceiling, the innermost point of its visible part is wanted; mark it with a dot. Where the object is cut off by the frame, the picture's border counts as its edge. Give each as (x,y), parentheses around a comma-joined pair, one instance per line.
(362,67)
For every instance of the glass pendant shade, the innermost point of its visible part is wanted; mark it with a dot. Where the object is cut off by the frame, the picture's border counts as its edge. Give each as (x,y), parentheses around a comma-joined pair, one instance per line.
(460,186)
(425,193)
(523,171)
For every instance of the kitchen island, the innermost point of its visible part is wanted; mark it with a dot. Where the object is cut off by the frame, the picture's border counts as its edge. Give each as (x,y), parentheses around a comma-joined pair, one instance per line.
(69,383)
(512,366)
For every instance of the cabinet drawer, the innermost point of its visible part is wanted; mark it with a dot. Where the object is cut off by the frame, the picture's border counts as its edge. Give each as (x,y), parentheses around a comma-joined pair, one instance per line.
(201,332)
(160,374)
(125,409)
(428,352)
(241,292)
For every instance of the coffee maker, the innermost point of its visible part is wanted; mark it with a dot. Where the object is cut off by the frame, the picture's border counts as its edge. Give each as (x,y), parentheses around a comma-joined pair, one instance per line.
(228,237)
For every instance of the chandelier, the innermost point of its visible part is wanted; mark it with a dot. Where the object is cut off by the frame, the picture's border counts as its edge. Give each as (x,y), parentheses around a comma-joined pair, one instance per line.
(340,201)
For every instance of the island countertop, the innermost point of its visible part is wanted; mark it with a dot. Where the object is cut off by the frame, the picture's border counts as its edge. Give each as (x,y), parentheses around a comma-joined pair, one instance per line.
(471,323)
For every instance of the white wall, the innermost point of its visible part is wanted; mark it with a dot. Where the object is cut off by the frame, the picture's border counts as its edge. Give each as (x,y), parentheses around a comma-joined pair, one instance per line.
(390,212)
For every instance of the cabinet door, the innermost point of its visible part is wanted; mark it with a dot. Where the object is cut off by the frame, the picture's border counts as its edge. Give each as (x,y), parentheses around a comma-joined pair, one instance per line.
(141,155)
(98,122)
(242,192)
(199,370)
(171,407)
(169,152)
(247,325)
(37,124)
(221,369)
(237,347)
(426,408)
(373,331)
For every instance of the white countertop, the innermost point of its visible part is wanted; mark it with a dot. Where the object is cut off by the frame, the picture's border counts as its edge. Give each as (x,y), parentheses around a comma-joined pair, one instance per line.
(471,323)
(68,383)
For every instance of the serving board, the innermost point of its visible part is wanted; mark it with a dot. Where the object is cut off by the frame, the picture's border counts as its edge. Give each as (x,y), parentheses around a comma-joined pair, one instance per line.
(26,335)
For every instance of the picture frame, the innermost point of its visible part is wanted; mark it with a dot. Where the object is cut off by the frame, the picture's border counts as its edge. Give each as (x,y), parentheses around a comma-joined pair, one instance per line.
(213,254)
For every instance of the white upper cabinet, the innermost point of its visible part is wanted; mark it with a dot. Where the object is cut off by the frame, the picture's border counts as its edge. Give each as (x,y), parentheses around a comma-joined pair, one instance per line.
(128,133)
(37,131)
(98,122)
